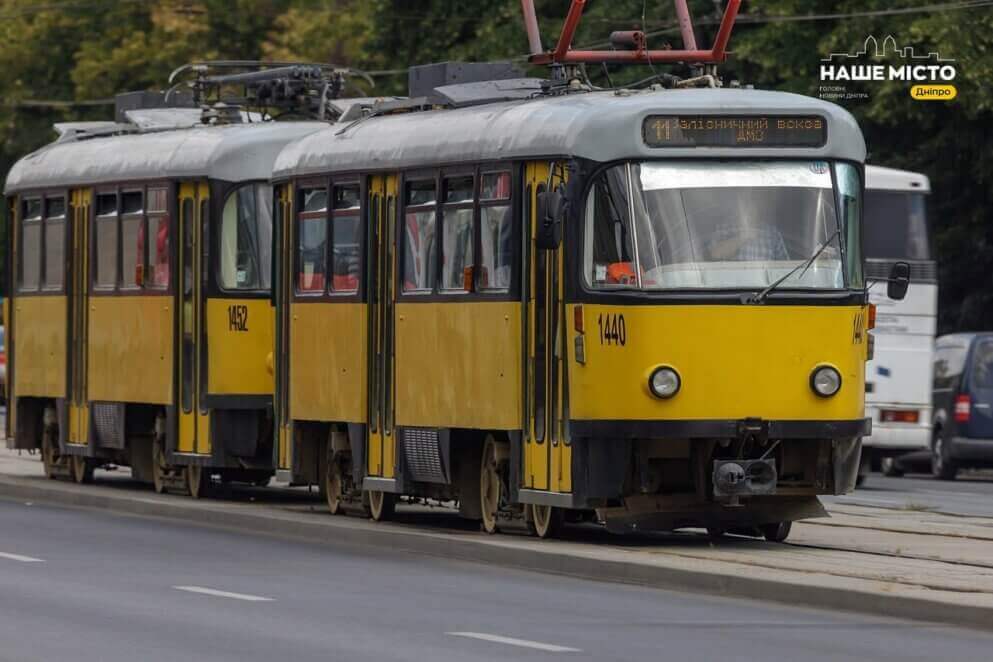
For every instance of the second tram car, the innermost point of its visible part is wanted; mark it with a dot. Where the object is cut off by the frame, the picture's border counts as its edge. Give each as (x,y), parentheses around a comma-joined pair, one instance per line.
(648,305)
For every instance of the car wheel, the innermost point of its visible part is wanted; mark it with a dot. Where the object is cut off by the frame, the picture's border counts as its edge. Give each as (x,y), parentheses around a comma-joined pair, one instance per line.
(942,466)
(890,467)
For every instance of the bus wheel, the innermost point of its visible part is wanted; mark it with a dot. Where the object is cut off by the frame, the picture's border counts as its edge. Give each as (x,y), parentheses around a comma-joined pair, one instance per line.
(333,485)
(159,467)
(197,480)
(777,532)
(82,469)
(490,485)
(545,521)
(382,505)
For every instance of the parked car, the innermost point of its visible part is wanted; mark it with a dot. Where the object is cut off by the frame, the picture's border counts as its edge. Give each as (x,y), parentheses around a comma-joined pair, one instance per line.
(963,403)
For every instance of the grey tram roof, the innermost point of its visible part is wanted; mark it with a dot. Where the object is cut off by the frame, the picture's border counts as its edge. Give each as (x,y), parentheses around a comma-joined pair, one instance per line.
(236,152)
(603,126)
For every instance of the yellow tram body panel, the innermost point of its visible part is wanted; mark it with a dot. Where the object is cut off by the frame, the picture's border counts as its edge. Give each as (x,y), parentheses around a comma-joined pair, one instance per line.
(240,338)
(328,361)
(459,365)
(130,349)
(734,362)
(40,329)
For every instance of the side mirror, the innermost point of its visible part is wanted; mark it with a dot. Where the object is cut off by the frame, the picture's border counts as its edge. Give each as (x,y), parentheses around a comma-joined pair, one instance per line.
(899,281)
(551,213)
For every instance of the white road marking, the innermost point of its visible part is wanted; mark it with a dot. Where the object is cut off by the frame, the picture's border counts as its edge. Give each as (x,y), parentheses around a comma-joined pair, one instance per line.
(524,643)
(223,594)
(22,559)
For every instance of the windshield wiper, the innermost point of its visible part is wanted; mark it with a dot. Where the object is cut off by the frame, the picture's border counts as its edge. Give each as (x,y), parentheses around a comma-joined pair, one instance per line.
(760,297)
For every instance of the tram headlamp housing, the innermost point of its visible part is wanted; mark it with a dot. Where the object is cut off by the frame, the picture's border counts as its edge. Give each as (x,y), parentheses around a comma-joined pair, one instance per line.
(664,382)
(825,381)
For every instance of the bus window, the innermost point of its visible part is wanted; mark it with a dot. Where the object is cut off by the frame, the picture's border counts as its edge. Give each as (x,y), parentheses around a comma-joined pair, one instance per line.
(496,232)
(895,225)
(457,239)
(55,219)
(29,273)
(345,239)
(419,252)
(132,240)
(312,240)
(608,213)
(106,241)
(157,256)
(246,239)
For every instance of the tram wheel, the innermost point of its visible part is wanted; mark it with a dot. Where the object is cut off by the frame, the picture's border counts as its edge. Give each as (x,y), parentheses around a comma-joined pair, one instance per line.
(545,521)
(159,467)
(777,532)
(333,486)
(50,457)
(490,485)
(382,505)
(82,469)
(197,480)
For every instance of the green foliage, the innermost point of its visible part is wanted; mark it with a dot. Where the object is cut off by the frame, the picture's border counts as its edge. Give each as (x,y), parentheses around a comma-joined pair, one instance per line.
(76,50)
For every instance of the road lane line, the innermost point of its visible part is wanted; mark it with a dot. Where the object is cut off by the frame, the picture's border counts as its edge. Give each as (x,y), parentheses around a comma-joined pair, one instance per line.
(523,643)
(223,594)
(22,559)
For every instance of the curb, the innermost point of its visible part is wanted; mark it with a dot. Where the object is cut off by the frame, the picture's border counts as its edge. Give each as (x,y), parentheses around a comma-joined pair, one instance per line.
(473,547)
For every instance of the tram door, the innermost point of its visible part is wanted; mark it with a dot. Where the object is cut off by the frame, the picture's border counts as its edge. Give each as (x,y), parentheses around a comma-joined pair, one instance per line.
(193,431)
(547,455)
(79,282)
(382,206)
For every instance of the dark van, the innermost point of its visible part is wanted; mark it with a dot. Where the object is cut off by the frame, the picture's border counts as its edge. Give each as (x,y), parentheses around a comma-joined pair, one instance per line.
(963,403)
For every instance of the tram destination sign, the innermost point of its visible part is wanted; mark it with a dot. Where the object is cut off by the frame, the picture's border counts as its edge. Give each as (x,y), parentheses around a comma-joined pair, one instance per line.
(734,131)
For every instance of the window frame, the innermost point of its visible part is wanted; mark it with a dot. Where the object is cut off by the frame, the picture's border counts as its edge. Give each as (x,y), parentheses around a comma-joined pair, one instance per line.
(362,214)
(142,217)
(515,202)
(298,217)
(43,285)
(444,207)
(40,222)
(214,231)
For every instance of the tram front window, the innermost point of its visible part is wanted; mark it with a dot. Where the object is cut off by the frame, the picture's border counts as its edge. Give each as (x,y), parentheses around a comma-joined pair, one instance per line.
(717,225)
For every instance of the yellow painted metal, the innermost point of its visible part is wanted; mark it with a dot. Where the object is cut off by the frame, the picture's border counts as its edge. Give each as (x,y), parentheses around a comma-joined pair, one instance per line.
(240,340)
(459,365)
(40,334)
(129,349)
(734,362)
(79,279)
(194,421)
(536,453)
(328,362)
(284,198)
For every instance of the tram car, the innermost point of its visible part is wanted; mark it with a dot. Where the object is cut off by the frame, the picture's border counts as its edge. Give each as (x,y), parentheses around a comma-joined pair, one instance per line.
(642,307)
(140,323)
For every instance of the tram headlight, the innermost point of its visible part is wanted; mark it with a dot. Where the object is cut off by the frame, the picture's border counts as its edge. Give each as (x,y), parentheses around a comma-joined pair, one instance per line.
(825,380)
(664,382)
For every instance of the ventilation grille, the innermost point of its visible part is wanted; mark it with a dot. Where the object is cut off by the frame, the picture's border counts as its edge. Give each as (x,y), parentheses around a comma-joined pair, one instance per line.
(422,454)
(108,424)
(919,271)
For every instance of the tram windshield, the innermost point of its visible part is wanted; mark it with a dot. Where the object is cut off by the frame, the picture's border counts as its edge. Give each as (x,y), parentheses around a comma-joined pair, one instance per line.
(723,225)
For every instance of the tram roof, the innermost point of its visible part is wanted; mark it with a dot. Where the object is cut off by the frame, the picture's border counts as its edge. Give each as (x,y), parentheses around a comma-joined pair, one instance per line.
(235,152)
(603,126)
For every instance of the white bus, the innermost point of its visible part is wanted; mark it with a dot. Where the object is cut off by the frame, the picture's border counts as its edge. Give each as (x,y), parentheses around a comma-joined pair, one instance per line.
(898,379)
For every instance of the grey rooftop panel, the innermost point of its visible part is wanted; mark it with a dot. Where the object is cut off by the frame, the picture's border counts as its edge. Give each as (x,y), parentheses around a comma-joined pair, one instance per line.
(603,126)
(238,152)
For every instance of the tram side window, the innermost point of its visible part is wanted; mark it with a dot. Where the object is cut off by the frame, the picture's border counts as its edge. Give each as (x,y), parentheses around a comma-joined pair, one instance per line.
(419,248)
(346,239)
(55,220)
(29,265)
(496,232)
(850,207)
(609,219)
(246,239)
(106,241)
(312,240)
(157,256)
(132,240)
(457,240)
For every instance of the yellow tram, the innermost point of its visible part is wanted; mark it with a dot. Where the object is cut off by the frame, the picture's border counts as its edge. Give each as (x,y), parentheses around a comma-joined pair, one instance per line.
(647,305)
(140,327)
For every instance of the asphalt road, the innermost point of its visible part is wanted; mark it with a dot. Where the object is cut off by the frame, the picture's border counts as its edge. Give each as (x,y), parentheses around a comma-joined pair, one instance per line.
(970,494)
(86,585)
